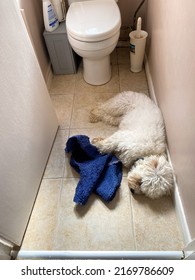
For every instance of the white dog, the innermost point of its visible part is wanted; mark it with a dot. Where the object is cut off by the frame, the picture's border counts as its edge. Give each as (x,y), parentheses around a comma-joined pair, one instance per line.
(139,140)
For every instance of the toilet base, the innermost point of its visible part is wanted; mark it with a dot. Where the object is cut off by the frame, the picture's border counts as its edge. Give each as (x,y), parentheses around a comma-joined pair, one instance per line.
(97,72)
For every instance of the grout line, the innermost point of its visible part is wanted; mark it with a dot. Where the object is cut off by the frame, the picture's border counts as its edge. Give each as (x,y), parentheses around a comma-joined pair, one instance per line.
(133,224)
(64,167)
(57,214)
(73,103)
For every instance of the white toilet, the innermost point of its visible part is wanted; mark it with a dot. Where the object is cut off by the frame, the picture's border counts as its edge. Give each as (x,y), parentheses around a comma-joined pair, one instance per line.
(93,29)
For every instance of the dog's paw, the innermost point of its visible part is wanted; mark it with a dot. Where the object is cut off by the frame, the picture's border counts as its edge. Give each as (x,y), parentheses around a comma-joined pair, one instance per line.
(93,117)
(96,140)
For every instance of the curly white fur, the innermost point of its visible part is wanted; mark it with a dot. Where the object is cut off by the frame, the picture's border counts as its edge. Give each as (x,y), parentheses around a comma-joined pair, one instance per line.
(141,133)
(152,176)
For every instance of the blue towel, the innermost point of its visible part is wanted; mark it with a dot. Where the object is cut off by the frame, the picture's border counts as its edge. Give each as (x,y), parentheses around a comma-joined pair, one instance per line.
(99,173)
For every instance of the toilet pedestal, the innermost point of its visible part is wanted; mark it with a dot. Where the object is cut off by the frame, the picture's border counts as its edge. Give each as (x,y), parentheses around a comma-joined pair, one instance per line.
(97,72)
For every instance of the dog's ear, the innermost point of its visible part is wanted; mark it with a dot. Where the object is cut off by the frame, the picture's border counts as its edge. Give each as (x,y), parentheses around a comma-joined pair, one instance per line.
(134,182)
(154,163)
(134,179)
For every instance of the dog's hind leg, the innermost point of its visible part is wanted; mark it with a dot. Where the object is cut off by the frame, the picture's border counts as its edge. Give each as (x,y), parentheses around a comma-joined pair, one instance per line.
(118,105)
(108,112)
(98,114)
(112,110)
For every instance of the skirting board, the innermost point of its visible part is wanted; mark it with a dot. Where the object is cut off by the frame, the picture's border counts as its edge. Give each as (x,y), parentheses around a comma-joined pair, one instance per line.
(100,255)
(190,244)
(5,249)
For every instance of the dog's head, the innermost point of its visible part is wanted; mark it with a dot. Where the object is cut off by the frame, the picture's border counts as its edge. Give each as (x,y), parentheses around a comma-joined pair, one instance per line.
(152,176)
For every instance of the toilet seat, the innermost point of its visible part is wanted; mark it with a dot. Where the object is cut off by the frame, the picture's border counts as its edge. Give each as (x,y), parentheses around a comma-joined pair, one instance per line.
(93,20)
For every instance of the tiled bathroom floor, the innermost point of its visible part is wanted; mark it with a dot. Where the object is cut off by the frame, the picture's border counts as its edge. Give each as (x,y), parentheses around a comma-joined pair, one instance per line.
(128,222)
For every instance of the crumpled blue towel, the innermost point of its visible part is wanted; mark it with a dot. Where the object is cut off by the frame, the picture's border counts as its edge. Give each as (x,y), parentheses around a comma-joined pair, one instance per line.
(99,173)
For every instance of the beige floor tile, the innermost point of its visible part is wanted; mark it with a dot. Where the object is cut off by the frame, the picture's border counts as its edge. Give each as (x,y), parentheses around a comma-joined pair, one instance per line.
(56,162)
(155,224)
(41,228)
(94,132)
(69,172)
(63,107)
(83,103)
(63,84)
(95,226)
(132,81)
(111,86)
(123,56)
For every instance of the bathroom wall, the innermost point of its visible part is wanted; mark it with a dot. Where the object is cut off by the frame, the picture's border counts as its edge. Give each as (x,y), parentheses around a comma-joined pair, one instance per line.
(171,61)
(33,16)
(127,9)
(28,124)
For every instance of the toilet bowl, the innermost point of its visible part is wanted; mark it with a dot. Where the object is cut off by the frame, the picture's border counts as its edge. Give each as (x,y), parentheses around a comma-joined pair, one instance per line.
(93,29)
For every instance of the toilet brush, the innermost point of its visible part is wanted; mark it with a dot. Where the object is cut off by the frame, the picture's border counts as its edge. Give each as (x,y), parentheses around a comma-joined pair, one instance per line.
(139,27)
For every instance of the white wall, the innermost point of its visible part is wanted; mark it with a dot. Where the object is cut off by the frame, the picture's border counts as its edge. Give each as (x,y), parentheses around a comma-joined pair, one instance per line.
(170,51)
(28,124)
(128,8)
(33,16)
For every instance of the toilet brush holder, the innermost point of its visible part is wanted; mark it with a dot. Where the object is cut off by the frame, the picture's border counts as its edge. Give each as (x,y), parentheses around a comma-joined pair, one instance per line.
(137,50)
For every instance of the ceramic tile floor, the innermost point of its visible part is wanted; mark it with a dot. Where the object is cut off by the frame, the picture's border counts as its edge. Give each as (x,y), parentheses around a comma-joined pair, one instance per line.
(127,223)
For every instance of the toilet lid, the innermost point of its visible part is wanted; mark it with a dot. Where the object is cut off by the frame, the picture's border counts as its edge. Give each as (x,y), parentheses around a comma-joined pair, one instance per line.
(93,20)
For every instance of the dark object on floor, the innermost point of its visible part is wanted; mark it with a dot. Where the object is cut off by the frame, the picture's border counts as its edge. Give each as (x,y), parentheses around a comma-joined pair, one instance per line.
(99,173)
